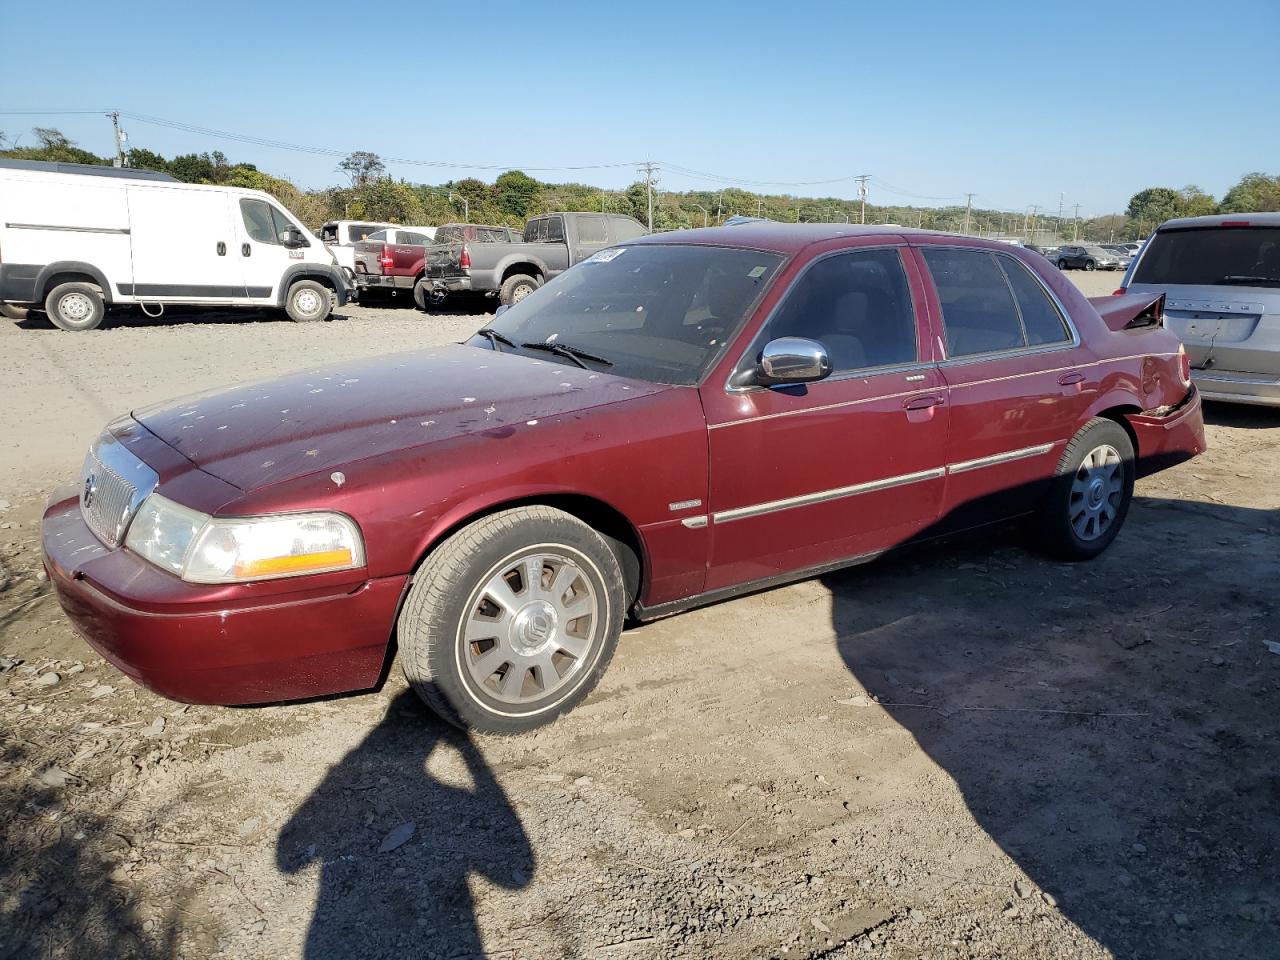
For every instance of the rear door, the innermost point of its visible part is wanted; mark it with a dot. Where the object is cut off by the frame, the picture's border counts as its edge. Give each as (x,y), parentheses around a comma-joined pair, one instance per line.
(1018,380)
(184,245)
(592,235)
(1222,287)
(809,475)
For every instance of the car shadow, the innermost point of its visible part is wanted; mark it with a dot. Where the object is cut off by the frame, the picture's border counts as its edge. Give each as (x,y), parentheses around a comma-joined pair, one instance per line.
(1247,416)
(390,889)
(1110,725)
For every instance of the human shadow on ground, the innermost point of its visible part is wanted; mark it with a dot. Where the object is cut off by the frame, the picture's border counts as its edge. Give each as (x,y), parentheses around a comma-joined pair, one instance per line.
(412,900)
(1112,725)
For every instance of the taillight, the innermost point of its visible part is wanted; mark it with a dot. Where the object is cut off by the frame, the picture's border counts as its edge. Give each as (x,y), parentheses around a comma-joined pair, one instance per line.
(464,258)
(1118,292)
(386,259)
(1184,365)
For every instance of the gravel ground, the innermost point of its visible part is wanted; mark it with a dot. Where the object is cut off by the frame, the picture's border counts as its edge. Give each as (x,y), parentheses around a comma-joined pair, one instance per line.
(968,752)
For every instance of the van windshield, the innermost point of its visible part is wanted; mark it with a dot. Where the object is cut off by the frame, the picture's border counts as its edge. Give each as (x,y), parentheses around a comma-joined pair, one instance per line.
(662,313)
(1226,256)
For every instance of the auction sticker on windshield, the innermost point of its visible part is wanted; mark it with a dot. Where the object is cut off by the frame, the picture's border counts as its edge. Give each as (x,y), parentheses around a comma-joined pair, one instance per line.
(606,256)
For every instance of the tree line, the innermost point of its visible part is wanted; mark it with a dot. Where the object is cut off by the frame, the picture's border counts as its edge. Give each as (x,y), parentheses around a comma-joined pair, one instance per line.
(370,194)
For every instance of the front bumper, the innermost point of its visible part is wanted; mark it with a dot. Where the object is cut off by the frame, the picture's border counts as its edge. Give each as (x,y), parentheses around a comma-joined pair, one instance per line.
(1253,388)
(1165,441)
(208,644)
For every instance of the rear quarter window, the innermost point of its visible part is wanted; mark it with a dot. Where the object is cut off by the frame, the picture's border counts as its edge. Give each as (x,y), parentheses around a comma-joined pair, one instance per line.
(1041,318)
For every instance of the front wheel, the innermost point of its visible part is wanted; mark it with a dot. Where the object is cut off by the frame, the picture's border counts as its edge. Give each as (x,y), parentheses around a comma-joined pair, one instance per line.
(1090,494)
(1062,264)
(512,620)
(1090,265)
(75,306)
(308,301)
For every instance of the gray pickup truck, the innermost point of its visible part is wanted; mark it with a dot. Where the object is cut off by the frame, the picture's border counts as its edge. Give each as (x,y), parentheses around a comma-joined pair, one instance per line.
(511,271)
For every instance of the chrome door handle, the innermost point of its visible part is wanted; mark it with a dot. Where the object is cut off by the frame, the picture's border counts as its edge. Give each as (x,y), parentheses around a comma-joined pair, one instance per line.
(924,403)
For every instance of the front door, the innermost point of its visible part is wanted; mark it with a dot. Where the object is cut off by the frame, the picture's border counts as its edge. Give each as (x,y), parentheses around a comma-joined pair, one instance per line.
(260,248)
(809,475)
(183,245)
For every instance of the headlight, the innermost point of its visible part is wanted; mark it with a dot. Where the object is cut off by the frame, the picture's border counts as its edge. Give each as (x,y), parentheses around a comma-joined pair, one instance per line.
(204,549)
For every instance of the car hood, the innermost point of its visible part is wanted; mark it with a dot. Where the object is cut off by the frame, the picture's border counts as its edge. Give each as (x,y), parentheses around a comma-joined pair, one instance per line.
(322,419)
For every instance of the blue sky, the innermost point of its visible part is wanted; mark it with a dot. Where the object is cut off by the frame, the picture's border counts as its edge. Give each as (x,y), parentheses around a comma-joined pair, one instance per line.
(1017,102)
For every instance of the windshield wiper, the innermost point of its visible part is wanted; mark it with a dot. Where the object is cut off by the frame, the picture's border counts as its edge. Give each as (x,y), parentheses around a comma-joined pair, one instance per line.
(495,338)
(1248,280)
(569,353)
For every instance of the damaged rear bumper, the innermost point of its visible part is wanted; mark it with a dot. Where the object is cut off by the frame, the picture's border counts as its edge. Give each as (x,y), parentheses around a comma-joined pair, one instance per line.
(1167,437)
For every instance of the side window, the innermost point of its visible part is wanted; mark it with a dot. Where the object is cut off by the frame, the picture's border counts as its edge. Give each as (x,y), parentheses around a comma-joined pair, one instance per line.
(409,237)
(535,231)
(360,231)
(591,230)
(555,229)
(1040,316)
(624,228)
(857,305)
(978,310)
(283,225)
(377,235)
(257,221)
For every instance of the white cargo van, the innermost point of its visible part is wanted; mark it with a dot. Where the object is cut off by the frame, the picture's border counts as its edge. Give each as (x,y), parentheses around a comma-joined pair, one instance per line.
(75,239)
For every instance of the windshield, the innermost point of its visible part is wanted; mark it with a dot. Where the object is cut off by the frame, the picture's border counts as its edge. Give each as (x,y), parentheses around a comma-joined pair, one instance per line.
(661,313)
(1212,255)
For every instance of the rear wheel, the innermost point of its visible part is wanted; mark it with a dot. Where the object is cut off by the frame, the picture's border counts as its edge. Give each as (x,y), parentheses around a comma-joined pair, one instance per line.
(75,306)
(426,296)
(308,301)
(1090,494)
(1062,264)
(515,288)
(512,620)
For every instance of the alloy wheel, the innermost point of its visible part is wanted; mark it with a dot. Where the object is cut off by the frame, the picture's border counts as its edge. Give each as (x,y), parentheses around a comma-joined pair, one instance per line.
(1097,491)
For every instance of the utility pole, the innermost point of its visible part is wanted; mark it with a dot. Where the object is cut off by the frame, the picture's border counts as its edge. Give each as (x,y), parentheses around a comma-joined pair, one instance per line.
(1060,196)
(759,205)
(705,213)
(119,137)
(1035,210)
(862,193)
(1075,226)
(648,170)
(968,207)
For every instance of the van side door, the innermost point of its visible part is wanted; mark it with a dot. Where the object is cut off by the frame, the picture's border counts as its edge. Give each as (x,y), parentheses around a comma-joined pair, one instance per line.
(183,245)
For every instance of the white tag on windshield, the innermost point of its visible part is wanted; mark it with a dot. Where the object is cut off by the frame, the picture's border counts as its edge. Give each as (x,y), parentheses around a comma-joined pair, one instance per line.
(756,273)
(606,256)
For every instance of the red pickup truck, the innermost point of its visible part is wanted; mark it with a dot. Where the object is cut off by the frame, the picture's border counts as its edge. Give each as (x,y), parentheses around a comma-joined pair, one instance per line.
(393,260)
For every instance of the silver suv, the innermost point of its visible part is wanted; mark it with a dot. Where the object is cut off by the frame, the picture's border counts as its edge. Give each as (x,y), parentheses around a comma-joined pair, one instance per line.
(1221,278)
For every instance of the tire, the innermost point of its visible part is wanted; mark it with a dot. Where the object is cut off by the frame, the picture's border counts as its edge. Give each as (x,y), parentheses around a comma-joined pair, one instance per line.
(516,287)
(1062,264)
(308,301)
(1090,265)
(75,306)
(526,675)
(1090,494)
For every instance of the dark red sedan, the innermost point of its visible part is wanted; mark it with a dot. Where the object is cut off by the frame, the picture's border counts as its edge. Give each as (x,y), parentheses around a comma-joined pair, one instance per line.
(674,421)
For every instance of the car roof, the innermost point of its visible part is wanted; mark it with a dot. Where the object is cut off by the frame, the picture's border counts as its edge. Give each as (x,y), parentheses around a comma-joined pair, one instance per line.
(790,238)
(1218,219)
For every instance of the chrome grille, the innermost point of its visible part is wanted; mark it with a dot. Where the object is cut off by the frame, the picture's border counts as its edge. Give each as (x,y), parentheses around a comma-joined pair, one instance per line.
(113,485)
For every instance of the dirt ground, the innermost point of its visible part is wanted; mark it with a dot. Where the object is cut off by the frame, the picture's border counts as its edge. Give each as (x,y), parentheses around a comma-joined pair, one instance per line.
(965,752)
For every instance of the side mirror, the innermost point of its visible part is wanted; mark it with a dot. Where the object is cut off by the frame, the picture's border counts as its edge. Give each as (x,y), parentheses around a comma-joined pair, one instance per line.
(792,360)
(294,238)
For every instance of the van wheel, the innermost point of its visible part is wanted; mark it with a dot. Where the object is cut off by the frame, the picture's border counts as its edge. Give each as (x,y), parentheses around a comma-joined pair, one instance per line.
(75,306)
(308,301)
(1089,497)
(512,620)
(516,287)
